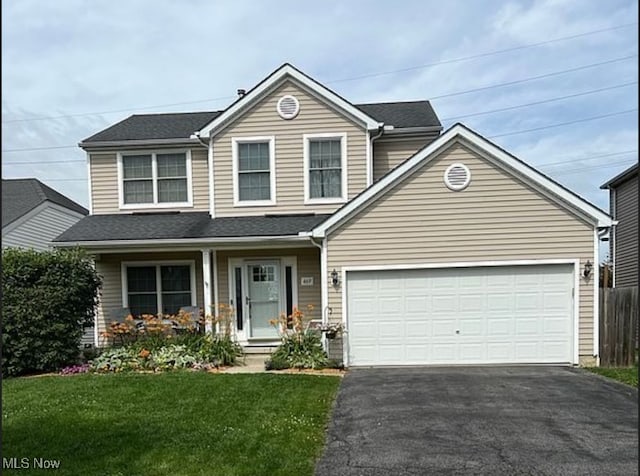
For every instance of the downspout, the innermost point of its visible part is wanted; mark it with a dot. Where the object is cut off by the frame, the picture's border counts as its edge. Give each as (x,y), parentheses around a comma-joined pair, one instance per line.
(370,147)
(209,148)
(323,290)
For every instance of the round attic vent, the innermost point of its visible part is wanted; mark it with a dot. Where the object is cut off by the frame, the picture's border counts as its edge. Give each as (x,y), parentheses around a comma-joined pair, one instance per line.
(457,176)
(288,107)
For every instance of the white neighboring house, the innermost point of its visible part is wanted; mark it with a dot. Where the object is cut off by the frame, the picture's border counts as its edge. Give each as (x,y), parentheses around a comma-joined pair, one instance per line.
(33,214)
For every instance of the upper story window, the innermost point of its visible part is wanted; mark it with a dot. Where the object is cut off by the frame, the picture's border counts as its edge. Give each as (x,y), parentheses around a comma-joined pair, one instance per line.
(325,164)
(254,171)
(154,179)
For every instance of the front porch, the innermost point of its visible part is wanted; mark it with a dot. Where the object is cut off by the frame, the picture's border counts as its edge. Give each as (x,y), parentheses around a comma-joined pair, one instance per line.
(254,284)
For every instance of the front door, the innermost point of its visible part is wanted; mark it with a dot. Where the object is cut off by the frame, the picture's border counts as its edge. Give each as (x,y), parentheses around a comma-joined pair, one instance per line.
(264,298)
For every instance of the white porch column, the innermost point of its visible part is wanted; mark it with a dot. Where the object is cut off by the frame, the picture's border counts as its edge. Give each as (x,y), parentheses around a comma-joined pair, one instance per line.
(206,281)
(216,310)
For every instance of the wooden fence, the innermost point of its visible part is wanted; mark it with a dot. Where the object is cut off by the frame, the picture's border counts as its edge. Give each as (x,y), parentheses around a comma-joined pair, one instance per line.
(618,326)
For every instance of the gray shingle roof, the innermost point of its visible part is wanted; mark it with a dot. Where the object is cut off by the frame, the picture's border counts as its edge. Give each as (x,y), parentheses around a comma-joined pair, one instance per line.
(183,225)
(403,114)
(155,126)
(621,177)
(182,125)
(20,196)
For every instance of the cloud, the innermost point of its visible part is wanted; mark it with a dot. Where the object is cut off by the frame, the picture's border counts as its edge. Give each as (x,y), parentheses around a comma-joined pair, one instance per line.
(80,56)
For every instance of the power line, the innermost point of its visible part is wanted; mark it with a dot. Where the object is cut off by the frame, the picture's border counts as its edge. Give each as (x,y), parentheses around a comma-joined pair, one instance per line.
(603,166)
(44,162)
(31,149)
(441,96)
(573,170)
(353,78)
(551,126)
(545,101)
(113,111)
(533,78)
(612,154)
(481,55)
(560,124)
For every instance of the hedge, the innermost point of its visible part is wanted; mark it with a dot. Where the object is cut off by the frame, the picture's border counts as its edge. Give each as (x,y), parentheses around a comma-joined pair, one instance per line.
(47,298)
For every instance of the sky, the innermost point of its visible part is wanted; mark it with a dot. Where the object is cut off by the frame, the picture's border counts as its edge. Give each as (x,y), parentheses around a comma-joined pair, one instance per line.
(74,67)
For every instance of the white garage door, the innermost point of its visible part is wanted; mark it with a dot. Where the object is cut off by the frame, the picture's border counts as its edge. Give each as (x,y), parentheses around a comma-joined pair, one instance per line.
(515,314)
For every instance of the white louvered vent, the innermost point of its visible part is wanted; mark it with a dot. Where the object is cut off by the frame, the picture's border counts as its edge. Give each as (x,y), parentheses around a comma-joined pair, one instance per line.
(288,107)
(457,177)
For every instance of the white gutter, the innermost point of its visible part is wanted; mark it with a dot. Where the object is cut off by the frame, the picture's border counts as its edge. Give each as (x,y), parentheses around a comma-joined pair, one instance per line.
(183,241)
(137,142)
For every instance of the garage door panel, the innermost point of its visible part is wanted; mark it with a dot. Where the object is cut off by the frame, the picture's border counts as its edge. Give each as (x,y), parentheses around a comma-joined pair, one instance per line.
(517,314)
(472,352)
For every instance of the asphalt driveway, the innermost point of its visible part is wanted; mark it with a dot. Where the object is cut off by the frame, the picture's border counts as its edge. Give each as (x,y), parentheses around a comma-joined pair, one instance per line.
(481,420)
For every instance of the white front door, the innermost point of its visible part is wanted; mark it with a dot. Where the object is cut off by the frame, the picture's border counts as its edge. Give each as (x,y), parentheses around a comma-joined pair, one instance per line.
(264,298)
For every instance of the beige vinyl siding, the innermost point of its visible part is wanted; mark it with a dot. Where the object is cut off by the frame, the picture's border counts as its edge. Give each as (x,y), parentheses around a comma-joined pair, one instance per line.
(308,264)
(263,120)
(38,230)
(497,218)
(389,153)
(104,182)
(109,267)
(626,233)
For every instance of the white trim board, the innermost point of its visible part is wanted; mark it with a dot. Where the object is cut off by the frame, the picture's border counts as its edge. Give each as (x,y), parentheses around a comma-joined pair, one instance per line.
(344,160)
(154,179)
(564,197)
(283,72)
(469,264)
(157,265)
(235,142)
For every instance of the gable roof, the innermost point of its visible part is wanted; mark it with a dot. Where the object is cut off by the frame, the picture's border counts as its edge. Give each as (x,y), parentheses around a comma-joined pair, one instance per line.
(287,71)
(20,196)
(409,114)
(621,177)
(561,194)
(184,226)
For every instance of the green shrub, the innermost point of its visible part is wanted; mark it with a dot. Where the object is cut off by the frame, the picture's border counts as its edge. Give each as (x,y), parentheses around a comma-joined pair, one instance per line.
(299,349)
(220,350)
(277,362)
(118,359)
(47,298)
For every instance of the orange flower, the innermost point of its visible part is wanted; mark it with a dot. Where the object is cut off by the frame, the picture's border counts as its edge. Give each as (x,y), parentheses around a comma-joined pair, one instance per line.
(144,353)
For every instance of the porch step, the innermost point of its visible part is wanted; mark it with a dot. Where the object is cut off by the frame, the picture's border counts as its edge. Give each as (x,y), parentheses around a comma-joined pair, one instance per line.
(259,350)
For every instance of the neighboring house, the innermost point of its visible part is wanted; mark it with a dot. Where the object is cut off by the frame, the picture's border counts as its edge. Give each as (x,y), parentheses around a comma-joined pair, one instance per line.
(33,214)
(430,247)
(623,205)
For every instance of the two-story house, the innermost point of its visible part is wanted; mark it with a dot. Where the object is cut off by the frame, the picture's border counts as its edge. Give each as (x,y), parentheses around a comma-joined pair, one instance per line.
(430,247)
(623,246)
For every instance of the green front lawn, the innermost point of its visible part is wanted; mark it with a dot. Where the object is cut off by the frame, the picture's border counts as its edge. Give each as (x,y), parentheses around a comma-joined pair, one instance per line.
(628,375)
(179,423)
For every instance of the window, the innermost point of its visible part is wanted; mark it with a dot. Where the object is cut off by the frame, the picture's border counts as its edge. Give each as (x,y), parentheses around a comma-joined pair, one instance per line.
(152,179)
(325,168)
(254,171)
(165,288)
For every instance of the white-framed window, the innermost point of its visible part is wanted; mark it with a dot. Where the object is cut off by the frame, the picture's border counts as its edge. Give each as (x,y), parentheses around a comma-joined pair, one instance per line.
(154,179)
(325,168)
(158,287)
(254,171)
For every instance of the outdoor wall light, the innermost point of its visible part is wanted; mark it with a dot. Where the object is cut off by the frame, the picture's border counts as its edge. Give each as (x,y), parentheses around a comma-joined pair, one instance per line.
(588,267)
(334,277)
